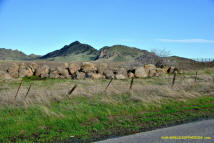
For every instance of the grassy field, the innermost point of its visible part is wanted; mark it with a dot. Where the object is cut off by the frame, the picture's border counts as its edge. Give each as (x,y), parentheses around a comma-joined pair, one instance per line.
(91,113)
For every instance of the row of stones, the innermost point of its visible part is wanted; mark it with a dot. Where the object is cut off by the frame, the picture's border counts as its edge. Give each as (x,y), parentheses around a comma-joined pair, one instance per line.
(82,71)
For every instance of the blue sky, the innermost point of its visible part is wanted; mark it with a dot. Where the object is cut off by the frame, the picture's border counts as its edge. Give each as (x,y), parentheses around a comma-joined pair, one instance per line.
(184,27)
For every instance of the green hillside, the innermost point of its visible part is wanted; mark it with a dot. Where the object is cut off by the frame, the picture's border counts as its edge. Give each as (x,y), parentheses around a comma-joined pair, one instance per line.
(119,53)
(76,51)
(8,54)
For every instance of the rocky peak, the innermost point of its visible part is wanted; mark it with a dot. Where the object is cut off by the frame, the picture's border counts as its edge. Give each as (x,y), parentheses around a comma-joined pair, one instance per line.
(71,49)
(75,43)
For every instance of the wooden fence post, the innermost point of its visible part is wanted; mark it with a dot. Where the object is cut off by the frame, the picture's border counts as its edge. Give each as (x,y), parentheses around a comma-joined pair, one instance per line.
(196,76)
(131,84)
(108,84)
(18,89)
(28,91)
(72,90)
(174,78)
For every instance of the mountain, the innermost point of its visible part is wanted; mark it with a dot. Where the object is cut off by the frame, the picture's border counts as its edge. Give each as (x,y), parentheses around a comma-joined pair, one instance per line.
(186,63)
(33,56)
(147,58)
(119,53)
(76,51)
(8,54)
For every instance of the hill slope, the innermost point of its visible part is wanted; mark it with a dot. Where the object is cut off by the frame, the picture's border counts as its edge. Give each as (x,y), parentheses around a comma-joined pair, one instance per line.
(8,54)
(76,51)
(119,53)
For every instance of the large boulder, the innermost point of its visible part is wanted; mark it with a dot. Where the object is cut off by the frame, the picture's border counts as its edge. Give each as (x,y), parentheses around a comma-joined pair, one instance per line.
(33,67)
(63,72)
(25,71)
(140,72)
(109,74)
(95,76)
(165,68)
(73,68)
(120,76)
(150,70)
(54,74)
(151,73)
(159,71)
(101,67)
(43,71)
(122,71)
(150,66)
(131,75)
(88,67)
(80,75)
(13,70)
(4,75)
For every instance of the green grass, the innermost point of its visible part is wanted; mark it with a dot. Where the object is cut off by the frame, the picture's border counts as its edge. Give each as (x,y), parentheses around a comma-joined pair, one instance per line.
(37,81)
(206,71)
(88,117)
(120,53)
(83,57)
(31,78)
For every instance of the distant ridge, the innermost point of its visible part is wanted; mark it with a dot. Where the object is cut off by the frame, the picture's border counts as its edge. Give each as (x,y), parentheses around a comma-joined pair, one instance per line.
(75,51)
(120,53)
(8,54)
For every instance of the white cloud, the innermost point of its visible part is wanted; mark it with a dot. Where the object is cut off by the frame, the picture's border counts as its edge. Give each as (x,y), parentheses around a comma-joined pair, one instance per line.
(186,41)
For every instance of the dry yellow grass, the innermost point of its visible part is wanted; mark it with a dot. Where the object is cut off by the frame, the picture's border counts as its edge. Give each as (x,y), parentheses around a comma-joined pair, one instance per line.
(150,90)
